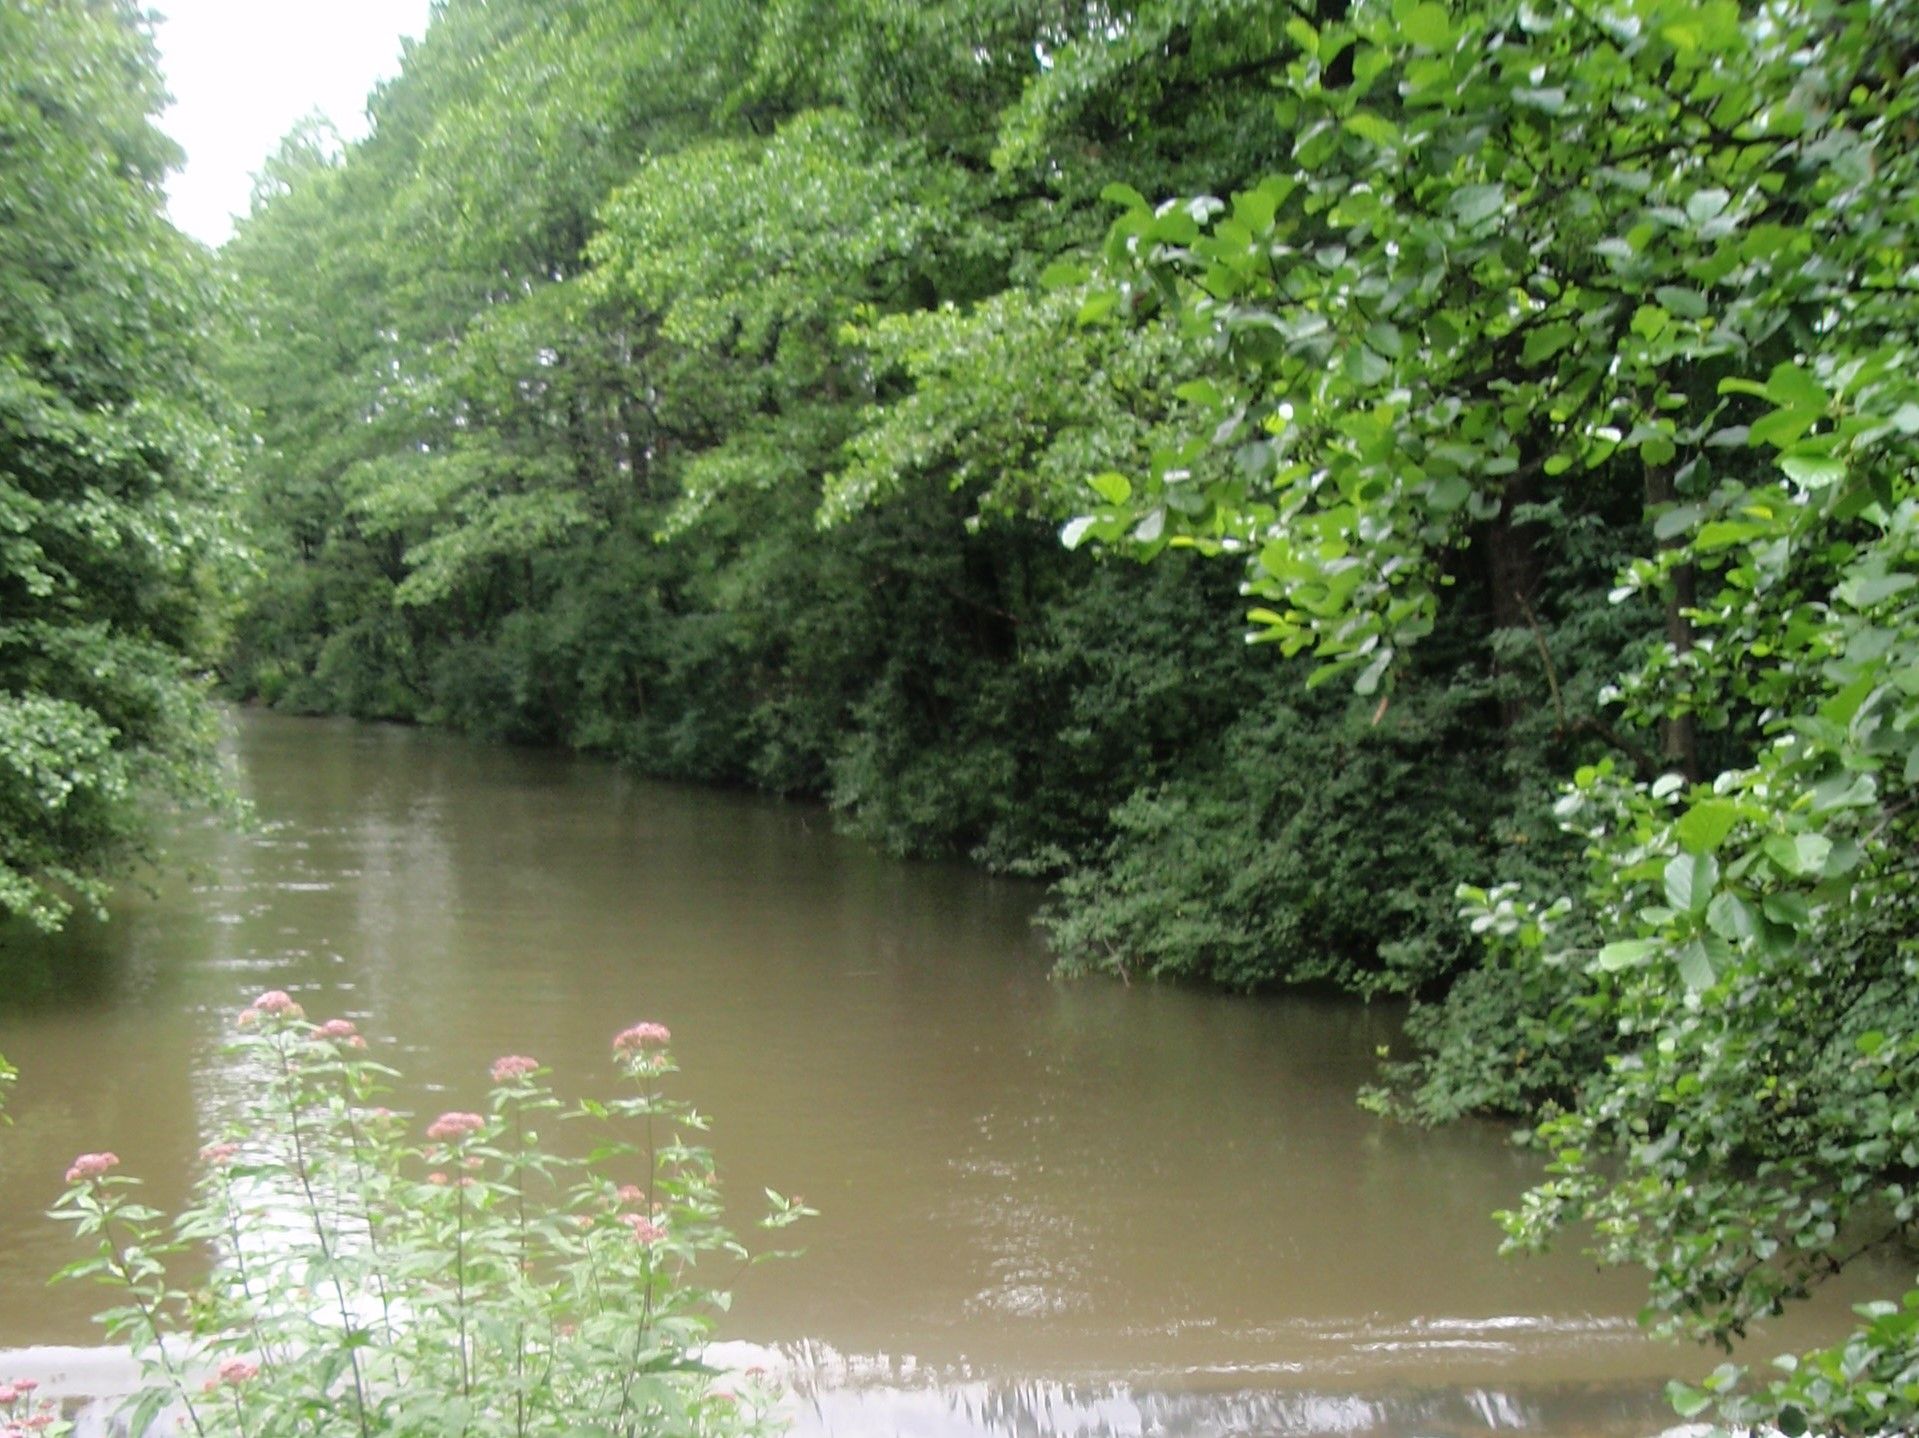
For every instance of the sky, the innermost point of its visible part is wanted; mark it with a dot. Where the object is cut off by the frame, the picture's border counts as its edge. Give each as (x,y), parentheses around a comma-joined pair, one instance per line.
(244,72)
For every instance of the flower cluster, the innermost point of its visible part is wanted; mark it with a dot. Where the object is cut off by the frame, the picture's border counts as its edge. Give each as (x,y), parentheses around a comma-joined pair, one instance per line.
(641,1036)
(341,1031)
(90,1166)
(452,1127)
(512,1067)
(19,1414)
(645,1230)
(274,1003)
(356,1201)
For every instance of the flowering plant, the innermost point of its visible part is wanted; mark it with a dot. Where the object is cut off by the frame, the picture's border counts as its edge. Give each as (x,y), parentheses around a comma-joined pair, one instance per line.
(472,1281)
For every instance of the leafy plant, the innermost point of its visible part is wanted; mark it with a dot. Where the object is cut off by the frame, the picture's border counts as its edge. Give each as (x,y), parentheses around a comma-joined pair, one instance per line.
(475,1280)
(1651,251)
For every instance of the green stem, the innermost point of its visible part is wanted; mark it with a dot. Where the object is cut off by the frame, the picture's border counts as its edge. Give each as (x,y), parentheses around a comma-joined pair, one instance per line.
(117,1265)
(301,1172)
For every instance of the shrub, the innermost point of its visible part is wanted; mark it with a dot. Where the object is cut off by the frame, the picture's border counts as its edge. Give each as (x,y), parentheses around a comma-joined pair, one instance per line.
(474,1280)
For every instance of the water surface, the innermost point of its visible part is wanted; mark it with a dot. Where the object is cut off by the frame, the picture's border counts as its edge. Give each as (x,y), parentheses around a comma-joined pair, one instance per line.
(1074,1207)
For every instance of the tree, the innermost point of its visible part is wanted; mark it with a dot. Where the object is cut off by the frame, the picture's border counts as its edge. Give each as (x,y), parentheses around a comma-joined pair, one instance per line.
(545,314)
(113,466)
(1524,257)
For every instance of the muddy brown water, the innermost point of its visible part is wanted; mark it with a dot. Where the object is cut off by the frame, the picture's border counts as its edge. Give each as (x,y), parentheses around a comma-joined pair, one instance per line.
(1044,1206)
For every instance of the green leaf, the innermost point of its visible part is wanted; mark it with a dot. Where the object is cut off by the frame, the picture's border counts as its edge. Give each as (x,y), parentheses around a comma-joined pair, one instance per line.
(1690,881)
(1704,827)
(1373,128)
(1703,205)
(1676,521)
(1731,917)
(1687,1401)
(1866,591)
(1626,954)
(1123,194)
(1112,487)
(1098,306)
(1797,854)
(1475,204)
(1202,392)
(1543,343)
(1785,426)
(1726,533)
(1792,386)
(1686,303)
(1696,965)
(1813,471)
(1448,493)
(1429,25)
(1789,909)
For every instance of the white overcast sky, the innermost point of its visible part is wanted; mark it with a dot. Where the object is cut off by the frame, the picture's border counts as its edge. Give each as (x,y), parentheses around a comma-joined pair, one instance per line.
(244,72)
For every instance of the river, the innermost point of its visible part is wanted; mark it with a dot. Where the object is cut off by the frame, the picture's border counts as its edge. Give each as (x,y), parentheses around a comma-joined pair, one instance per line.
(1044,1206)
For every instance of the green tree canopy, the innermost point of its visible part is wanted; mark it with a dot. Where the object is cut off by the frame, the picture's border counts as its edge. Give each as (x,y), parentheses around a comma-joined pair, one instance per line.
(1523,256)
(112,467)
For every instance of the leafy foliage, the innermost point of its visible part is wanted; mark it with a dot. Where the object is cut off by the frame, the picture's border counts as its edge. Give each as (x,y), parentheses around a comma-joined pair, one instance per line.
(793,326)
(1525,255)
(113,468)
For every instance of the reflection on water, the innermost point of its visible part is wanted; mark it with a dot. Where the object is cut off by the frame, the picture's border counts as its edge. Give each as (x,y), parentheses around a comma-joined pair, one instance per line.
(1022,1183)
(828,1397)
(1030,1410)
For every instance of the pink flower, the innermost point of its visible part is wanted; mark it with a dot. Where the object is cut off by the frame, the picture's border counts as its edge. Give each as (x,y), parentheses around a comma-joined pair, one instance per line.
(276,1002)
(452,1126)
(644,1229)
(25,1385)
(631,1193)
(9,1392)
(219,1152)
(436,1177)
(641,1036)
(342,1031)
(37,1422)
(237,1370)
(90,1165)
(513,1066)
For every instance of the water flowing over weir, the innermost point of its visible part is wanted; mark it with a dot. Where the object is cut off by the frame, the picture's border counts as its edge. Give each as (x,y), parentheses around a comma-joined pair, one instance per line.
(1045,1208)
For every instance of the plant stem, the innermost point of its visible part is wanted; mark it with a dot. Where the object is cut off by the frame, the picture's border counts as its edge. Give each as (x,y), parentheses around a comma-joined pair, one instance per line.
(301,1172)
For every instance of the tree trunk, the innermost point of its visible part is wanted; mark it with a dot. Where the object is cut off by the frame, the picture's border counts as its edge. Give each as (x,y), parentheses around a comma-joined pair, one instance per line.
(1512,575)
(1678,734)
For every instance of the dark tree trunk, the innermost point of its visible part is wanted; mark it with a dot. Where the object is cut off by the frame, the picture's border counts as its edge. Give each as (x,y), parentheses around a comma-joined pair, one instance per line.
(1513,575)
(1679,735)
